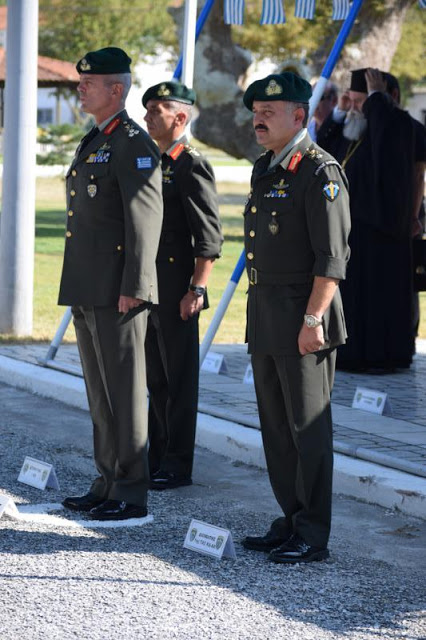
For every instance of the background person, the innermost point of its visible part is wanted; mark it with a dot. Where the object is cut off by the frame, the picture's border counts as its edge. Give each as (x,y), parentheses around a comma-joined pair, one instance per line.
(324,108)
(191,240)
(113,227)
(374,141)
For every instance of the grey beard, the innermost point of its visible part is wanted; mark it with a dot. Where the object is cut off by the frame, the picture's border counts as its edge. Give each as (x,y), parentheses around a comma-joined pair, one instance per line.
(355,126)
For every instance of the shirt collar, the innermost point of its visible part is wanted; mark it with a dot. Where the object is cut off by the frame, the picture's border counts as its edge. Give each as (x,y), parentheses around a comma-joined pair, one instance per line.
(284,156)
(106,122)
(181,140)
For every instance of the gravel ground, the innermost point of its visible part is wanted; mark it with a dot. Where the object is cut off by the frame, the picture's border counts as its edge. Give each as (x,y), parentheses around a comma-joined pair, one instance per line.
(140,583)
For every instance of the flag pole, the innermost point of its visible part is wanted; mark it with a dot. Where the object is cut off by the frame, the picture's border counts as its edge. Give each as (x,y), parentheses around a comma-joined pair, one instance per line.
(318,91)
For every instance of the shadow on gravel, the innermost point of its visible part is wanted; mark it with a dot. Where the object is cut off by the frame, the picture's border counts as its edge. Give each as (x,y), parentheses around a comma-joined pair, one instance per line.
(348,592)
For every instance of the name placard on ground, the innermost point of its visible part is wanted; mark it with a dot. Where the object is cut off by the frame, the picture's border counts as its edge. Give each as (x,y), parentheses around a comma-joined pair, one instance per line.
(214,363)
(8,507)
(38,474)
(248,376)
(210,540)
(371,400)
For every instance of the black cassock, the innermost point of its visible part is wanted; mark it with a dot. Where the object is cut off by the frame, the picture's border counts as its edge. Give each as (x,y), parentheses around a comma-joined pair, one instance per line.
(377,293)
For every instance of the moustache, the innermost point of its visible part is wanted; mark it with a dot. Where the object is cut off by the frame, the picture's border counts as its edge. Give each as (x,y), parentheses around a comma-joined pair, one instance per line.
(260,127)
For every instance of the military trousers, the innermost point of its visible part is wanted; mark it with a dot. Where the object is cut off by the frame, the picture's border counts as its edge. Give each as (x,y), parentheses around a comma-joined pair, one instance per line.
(111,347)
(172,356)
(293,396)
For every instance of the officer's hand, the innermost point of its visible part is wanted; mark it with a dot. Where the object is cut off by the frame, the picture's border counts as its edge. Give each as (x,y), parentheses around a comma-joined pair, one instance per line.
(310,340)
(344,102)
(375,81)
(125,303)
(190,305)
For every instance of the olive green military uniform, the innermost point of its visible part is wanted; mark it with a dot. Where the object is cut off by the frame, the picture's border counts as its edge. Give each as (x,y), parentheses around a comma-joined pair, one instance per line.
(191,229)
(114,206)
(296,227)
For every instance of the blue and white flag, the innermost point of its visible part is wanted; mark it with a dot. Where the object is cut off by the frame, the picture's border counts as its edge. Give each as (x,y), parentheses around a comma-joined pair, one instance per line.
(273,12)
(422,4)
(234,11)
(340,9)
(305,9)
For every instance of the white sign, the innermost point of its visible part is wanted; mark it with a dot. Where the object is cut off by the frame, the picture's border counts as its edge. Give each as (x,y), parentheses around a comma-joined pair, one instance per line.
(8,507)
(214,363)
(38,474)
(373,401)
(210,540)
(248,376)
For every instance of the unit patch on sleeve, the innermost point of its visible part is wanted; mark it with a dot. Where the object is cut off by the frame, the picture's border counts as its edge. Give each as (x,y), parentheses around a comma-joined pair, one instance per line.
(144,162)
(331,190)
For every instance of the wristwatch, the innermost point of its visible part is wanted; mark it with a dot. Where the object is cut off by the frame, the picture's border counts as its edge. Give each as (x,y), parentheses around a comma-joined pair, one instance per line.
(197,290)
(312,321)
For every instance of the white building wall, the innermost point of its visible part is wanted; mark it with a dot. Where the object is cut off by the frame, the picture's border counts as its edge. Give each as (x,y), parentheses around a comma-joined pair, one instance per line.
(46,109)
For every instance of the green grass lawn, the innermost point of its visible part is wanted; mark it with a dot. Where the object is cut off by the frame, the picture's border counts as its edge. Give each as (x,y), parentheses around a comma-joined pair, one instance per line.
(49,244)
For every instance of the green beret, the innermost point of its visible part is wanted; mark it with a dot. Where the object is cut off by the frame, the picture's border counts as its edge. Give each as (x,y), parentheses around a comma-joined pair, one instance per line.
(175,91)
(105,61)
(278,86)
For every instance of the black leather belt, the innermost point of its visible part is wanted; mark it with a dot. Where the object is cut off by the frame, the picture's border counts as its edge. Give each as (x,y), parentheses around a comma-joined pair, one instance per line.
(262,277)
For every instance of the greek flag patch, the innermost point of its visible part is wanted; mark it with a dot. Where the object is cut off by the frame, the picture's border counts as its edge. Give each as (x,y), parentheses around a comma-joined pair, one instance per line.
(144,163)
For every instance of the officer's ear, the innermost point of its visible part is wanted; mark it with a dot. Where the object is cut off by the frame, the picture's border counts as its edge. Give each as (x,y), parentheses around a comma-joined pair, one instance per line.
(181,118)
(299,115)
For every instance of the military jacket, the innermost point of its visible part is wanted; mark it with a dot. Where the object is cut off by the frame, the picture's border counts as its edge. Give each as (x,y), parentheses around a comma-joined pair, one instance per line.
(296,227)
(191,224)
(114,217)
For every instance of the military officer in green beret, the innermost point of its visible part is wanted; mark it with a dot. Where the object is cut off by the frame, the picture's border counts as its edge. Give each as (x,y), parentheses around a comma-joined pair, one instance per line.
(190,242)
(114,206)
(296,226)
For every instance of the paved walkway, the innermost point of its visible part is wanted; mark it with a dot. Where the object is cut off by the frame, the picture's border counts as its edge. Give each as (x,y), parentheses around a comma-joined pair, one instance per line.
(398,441)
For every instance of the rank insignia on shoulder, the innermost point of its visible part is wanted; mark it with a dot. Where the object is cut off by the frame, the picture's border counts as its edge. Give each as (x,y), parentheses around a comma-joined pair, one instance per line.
(192,150)
(331,190)
(144,162)
(313,153)
(131,130)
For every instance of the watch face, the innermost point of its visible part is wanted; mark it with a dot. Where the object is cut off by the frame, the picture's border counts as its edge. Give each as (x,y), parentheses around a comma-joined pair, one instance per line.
(310,322)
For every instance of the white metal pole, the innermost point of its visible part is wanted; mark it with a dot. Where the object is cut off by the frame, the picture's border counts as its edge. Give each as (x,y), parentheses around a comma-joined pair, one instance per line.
(19,169)
(189,42)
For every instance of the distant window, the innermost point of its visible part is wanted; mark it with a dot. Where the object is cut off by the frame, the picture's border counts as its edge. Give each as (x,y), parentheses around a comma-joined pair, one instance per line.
(44,116)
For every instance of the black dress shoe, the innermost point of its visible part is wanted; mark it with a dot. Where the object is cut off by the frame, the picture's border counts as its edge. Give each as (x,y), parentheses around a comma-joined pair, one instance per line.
(296,550)
(83,503)
(168,480)
(117,510)
(264,543)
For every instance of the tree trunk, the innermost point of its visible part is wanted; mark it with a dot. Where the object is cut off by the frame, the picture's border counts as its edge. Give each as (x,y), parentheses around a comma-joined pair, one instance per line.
(372,42)
(219,77)
(221,71)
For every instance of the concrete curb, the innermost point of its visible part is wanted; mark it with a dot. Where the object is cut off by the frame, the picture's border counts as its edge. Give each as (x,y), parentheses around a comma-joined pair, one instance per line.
(355,478)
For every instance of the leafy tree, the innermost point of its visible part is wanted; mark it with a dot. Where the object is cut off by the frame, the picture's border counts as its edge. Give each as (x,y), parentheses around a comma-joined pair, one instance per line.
(68,30)
(60,141)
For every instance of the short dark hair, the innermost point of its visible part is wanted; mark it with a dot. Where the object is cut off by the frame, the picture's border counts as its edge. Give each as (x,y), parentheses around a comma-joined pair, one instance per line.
(305,107)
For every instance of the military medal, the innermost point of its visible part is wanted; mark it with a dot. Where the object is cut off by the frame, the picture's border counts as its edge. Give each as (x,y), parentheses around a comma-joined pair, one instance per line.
(92,188)
(273,226)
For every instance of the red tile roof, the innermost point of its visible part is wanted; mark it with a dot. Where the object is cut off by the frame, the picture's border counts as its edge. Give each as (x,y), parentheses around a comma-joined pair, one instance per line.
(50,73)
